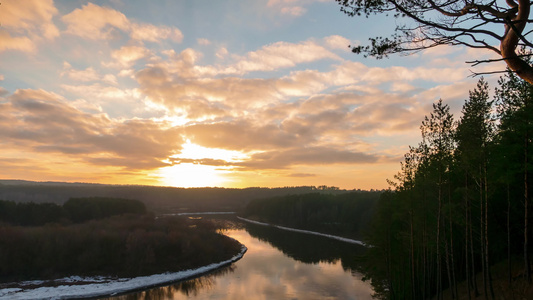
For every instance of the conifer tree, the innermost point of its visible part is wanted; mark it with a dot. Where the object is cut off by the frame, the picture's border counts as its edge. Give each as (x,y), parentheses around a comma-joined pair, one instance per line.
(474,133)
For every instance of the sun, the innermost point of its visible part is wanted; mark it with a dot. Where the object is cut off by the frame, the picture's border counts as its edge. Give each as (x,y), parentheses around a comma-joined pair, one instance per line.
(195,174)
(192,175)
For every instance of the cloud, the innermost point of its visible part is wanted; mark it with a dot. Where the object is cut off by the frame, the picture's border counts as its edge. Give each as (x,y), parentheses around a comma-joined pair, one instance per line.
(306,156)
(281,55)
(33,17)
(22,43)
(242,135)
(40,121)
(152,33)
(185,88)
(203,41)
(97,22)
(126,56)
(337,42)
(103,94)
(222,52)
(294,8)
(273,57)
(295,11)
(88,74)
(211,96)
(302,175)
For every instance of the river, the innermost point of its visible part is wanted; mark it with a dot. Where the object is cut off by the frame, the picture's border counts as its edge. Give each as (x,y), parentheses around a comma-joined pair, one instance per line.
(279,264)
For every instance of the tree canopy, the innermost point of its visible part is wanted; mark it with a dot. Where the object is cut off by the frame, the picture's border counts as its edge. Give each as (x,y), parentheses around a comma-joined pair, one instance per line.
(481,24)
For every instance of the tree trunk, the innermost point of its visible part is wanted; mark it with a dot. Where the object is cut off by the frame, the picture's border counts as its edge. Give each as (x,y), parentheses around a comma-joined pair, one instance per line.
(448,267)
(439,273)
(413,282)
(509,236)
(482,239)
(467,204)
(426,282)
(453,283)
(527,270)
(474,281)
(487,261)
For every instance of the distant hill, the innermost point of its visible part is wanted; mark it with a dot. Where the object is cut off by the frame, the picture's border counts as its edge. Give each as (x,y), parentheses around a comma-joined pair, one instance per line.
(157,199)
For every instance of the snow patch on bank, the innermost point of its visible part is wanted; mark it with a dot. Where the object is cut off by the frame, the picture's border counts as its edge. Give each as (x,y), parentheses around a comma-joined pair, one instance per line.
(86,287)
(340,238)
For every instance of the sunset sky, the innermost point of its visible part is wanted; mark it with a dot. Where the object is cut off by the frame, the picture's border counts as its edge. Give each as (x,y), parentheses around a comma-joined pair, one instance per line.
(211,93)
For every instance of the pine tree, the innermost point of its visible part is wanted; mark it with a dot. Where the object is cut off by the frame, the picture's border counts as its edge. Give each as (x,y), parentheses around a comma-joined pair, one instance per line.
(437,134)
(514,99)
(474,134)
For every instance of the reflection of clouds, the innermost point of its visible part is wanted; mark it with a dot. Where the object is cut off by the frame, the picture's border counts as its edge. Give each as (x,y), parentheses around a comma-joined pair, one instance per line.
(266,273)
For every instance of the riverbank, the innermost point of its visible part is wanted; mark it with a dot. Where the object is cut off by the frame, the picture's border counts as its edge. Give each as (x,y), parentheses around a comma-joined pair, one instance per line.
(92,287)
(340,238)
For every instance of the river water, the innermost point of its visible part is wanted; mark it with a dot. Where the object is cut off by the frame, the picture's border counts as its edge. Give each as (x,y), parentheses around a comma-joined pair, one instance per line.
(279,264)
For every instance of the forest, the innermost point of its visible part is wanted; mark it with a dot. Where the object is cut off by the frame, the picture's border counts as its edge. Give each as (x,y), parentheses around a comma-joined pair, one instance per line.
(102,236)
(75,210)
(456,222)
(158,199)
(344,214)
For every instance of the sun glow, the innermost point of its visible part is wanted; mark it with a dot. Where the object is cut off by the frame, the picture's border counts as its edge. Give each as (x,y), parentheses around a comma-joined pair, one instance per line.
(194,151)
(194,174)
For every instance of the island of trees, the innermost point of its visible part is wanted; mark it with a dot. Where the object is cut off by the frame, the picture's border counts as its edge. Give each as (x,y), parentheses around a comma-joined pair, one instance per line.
(102,236)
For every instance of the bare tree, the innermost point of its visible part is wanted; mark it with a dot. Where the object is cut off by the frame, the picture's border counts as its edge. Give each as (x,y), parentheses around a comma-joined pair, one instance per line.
(471,23)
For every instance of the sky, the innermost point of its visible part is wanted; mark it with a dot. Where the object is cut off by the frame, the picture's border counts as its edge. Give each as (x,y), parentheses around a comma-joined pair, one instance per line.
(211,93)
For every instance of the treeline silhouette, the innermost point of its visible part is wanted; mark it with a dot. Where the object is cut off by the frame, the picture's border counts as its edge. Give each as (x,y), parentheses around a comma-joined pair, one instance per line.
(85,209)
(75,210)
(99,236)
(157,199)
(344,214)
(460,203)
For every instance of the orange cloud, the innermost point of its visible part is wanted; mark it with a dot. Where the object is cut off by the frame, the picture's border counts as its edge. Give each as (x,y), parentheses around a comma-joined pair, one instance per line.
(282,55)
(24,23)
(293,8)
(152,33)
(31,17)
(89,74)
(8,42)
(97,22)
(40,121)
(128,55)
(338,42)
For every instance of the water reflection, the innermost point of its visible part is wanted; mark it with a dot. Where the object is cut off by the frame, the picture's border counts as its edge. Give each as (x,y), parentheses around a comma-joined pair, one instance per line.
(309,249)
(189,288)
(278,265)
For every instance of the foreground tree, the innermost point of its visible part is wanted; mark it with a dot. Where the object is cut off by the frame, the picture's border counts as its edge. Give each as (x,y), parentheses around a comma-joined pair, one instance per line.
(474,135)
(469,23)
(514,100)
(458,197)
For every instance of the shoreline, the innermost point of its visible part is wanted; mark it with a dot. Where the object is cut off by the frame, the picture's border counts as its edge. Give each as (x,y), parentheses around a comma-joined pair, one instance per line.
(335,237)
(105,286)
